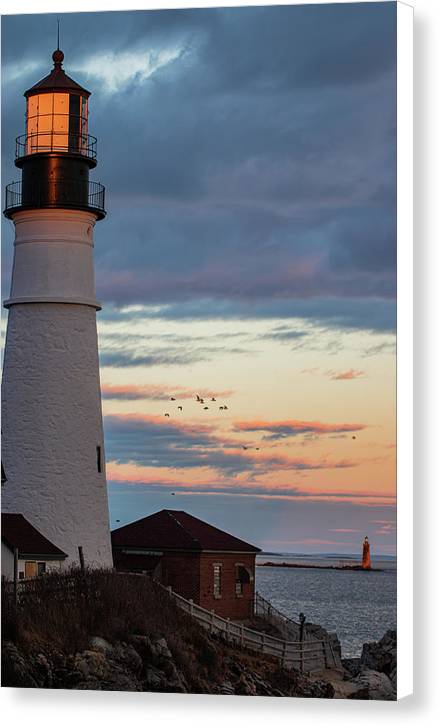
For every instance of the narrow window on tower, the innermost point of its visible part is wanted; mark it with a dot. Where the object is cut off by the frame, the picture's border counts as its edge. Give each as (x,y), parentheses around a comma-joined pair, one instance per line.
(99,458)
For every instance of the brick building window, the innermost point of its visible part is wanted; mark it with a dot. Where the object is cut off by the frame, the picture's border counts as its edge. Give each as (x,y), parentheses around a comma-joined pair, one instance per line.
(217,580)
(241,576)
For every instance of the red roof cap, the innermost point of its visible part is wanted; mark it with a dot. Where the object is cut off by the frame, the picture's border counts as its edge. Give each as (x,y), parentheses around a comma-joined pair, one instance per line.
(57,80)
(175,530)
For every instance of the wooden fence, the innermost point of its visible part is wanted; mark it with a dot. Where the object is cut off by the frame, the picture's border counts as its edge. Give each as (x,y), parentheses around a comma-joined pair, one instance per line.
(305,656)
(289,628)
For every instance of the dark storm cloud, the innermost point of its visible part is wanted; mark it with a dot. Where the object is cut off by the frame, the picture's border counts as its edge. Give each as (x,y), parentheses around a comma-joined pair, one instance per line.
(366,314)
(257,164)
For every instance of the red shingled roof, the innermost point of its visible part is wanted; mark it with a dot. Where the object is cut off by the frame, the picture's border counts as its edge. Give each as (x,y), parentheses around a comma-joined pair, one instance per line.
(175,530)
(18,532)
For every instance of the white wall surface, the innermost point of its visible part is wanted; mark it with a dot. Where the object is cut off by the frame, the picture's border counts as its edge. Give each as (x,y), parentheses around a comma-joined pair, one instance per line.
(51,403)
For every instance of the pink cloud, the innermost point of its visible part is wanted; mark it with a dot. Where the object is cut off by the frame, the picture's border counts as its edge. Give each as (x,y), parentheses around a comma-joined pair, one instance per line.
(146,418)
(349,375)
(345,531)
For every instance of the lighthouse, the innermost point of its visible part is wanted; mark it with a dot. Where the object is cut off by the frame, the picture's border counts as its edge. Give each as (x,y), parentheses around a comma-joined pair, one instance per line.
(52,436)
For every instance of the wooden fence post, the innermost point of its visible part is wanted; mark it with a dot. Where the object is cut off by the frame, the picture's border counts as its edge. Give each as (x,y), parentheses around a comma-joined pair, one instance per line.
(302,619)
(325,658)
(81,558)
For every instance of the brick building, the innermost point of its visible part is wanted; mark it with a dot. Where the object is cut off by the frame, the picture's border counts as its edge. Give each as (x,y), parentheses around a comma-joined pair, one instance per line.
(199,561)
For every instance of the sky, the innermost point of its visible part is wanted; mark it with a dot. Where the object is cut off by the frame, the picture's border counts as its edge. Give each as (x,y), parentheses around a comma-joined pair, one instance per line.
(248,256)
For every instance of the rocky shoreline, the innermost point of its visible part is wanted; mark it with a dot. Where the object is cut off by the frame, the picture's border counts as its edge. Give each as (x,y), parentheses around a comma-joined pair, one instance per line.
(373,675)
(99,631)
(145,663)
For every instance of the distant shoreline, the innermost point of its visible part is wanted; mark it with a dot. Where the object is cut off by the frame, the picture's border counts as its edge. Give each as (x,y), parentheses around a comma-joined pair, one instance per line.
(316,567)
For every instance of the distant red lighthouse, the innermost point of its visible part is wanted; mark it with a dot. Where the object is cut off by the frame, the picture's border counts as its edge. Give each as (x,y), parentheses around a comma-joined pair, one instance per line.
(366,554)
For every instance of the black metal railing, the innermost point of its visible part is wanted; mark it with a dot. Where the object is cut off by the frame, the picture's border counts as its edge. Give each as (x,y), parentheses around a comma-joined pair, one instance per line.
(63,194)
(50,141)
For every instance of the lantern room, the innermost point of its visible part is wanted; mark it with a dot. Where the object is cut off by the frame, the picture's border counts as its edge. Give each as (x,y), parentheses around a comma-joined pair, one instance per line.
(57,116)
(56,153)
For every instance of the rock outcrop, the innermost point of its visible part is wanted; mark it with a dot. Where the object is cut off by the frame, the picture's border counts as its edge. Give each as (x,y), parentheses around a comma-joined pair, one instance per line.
(373,674)
(147,664)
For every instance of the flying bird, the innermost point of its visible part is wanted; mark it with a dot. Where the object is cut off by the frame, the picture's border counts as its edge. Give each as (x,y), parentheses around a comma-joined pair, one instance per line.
(354,437)
(213,399)
(206,408)
(225,408)
(167,414)
(245,448)
(172,399)
(257,448)
(172,494)
(221,408)
(180,408)
(198,398)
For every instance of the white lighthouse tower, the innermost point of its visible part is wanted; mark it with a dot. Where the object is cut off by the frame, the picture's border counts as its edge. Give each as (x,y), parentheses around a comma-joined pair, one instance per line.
(52,437)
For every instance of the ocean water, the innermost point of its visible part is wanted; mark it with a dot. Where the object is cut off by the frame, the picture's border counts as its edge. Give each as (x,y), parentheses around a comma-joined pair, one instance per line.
(358,606)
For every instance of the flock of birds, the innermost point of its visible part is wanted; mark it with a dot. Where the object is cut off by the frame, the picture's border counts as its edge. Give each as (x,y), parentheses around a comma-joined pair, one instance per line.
(200,400)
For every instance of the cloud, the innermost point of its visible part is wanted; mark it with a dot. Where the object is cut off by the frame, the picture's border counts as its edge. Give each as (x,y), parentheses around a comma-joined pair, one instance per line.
(127,359)
(348,375)
(159,442)
(262,181)
(210,484)
(378,316)
(119,69)
(380,349)
(344,530)
(292,427)
(385,528)
(158,392)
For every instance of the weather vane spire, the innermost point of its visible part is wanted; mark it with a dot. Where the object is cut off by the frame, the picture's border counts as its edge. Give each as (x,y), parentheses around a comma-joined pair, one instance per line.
(57,35)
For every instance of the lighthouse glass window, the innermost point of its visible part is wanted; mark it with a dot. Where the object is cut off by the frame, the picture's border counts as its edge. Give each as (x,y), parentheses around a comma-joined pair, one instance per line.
(57,122)
(48,122)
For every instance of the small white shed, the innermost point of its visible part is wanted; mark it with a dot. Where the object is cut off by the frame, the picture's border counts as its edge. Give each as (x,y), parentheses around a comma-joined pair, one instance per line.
(36,554)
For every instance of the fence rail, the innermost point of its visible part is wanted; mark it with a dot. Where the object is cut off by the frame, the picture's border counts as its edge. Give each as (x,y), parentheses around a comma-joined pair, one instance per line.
(56,141)
(66,193)
(306,655)
(289,628)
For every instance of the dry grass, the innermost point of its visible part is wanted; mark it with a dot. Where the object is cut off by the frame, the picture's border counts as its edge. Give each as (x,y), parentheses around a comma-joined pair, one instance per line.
(62,612)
